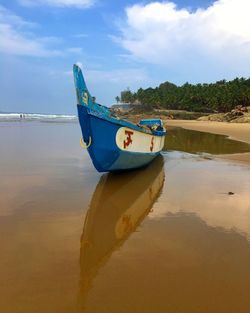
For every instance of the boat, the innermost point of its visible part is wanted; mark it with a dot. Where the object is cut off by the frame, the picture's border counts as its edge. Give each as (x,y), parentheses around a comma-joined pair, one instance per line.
(119,205)
(115,144)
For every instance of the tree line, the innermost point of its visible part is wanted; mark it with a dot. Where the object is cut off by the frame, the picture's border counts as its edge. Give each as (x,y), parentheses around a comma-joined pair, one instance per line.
(221,96)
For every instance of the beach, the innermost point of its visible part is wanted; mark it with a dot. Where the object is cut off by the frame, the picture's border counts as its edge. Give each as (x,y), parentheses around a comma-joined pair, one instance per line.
(125,156)
(166,238)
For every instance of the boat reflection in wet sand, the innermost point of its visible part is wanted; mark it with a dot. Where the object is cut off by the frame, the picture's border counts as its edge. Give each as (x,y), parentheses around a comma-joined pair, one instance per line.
(118,206)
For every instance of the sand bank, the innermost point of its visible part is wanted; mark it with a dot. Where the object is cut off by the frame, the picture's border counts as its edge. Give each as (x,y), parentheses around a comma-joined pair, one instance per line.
(236,131)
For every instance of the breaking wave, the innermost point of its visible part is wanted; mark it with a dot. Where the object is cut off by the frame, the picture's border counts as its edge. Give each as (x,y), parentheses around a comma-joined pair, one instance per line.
(37,117)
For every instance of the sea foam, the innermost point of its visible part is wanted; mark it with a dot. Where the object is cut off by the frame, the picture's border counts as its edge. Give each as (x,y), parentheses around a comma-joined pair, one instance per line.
(37,117)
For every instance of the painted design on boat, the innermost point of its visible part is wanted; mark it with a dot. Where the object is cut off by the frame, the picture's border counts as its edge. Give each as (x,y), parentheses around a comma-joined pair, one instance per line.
(152,144)
(135,141)
(85,98)
(128,140)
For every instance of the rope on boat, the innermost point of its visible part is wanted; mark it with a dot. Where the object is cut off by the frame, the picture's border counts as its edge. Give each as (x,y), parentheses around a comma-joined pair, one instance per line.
(85,146)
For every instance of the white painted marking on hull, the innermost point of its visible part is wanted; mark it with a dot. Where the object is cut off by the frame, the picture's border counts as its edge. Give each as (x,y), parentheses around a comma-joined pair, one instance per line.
(131,140)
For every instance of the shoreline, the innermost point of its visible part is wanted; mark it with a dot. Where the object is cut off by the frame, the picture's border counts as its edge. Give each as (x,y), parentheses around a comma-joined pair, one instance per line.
(235,131)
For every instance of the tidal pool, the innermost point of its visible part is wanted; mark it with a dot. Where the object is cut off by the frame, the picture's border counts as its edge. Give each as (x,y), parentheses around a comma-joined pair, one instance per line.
(191,141)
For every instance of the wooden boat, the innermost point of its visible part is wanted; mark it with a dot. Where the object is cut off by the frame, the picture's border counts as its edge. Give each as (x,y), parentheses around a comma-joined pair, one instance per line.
(115,144)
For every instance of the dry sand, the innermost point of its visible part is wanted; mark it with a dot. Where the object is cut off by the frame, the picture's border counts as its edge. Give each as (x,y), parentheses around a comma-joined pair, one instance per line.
(236,131)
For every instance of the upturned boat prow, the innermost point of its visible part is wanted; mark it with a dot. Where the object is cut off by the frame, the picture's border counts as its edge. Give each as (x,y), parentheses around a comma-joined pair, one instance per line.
(115,144)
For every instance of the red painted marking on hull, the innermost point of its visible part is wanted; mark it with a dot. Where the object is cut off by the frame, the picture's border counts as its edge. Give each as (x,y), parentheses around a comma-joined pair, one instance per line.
(152,144)
(128,140)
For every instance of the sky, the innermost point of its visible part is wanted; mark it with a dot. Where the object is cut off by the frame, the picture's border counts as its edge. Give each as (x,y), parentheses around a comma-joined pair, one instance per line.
(118,44)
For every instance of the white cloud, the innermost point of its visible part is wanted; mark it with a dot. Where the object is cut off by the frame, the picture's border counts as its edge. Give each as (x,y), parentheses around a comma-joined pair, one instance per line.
(125,76)
(17,38)
(13,42)
(80,4)
(8,17)
(161,33)
(75,50)
(117,76)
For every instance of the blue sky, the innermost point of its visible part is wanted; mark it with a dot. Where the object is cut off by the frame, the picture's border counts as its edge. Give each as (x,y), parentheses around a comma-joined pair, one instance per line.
(119,44)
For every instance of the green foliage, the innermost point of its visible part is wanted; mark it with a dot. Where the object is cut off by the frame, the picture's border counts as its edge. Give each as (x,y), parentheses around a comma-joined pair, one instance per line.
(221,96)
(127,96)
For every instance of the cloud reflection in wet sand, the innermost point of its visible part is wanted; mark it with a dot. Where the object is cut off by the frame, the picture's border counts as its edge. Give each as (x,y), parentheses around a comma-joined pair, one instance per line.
(202,188)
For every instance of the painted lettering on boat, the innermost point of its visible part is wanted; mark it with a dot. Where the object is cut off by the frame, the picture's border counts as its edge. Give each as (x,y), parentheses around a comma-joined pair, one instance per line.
(128,140)
(152,144)
(136,141)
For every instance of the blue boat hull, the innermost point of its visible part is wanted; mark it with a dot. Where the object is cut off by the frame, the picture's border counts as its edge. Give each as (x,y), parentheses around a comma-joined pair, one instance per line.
(104,152)
(114,144)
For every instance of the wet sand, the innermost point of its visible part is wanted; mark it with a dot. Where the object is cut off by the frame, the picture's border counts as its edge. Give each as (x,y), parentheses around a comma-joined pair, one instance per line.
(168,238)
(236,131)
